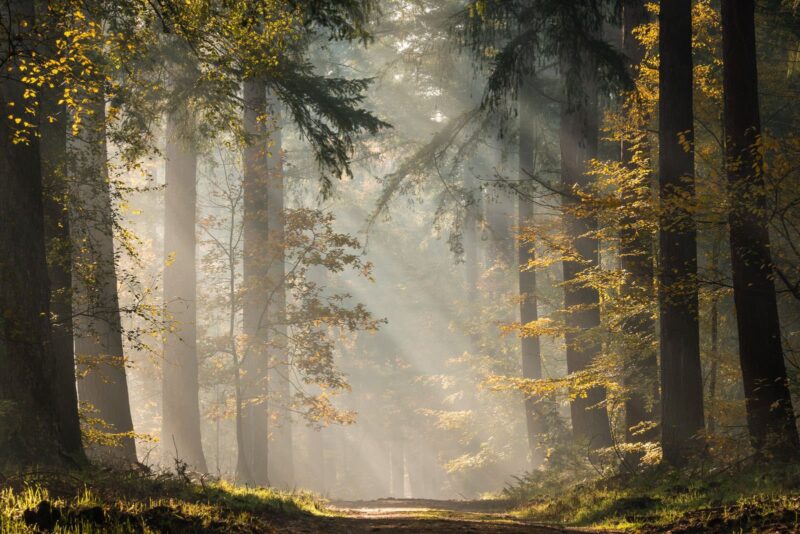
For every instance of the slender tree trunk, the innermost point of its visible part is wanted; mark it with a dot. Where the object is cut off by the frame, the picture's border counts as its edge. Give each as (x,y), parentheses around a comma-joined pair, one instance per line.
(244,471)
(98,329)
(31,431)
(318,464)
(281,461)
(180,431)
(255,364)
(53,150)
(714,335)
(578,140)
(397,467)
(636,259)
(681,377)
(471,260)
(528,305)
(770,415)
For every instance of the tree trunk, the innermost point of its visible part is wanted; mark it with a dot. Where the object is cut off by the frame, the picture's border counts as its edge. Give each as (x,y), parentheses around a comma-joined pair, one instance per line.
(681,377)
(253,449)
(397,467)
(53,150)
(578,140)
(770,415)
(471,243)
(636,259)
(714,341)
(31,431)
(180,431)
(98,330)
(281,460)
(528,306)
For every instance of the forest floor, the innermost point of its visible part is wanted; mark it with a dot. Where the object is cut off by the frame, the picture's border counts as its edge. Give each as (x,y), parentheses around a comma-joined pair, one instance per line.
(743,498)
(141,501)
(98,500)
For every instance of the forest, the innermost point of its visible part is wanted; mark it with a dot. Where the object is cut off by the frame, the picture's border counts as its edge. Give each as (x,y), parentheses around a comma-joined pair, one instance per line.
(403,265)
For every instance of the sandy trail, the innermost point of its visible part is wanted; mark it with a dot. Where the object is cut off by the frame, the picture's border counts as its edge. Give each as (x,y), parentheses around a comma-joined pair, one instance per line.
(424,516)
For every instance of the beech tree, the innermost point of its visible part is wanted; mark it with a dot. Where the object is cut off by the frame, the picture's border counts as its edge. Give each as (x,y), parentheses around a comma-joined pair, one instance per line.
(35,430)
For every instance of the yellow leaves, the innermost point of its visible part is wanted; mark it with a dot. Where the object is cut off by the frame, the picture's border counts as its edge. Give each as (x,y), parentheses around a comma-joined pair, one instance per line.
(541,327)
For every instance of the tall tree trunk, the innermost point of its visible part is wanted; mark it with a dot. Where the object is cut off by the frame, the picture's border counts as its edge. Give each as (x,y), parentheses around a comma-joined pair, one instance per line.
(31,431)
(53,150)
(770,415)
(578,140)
(636,259)
(681,377)
(253,449)
(180,431)
(528,305)
(98,329)
(281,460)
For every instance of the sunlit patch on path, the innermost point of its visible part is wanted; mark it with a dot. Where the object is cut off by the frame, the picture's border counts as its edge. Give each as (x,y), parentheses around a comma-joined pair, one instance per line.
(423,515)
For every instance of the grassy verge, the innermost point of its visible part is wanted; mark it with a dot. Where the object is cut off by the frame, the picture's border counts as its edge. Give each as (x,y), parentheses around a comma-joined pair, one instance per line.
(746,499)
(110,501)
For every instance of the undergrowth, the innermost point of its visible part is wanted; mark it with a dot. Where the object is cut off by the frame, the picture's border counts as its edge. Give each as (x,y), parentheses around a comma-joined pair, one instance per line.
(96,500)
(742,498)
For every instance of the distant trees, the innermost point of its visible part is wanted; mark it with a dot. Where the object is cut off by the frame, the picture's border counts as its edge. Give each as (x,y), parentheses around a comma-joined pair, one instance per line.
(565,33)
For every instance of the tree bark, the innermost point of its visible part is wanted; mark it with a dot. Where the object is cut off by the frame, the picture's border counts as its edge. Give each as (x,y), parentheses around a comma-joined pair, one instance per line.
(32,433)
(253,449)
(528,305)
(636,259)
(770,415)
(281,466)
(180,431)
(681,377)
(98,328)
(53,151)
(578,141)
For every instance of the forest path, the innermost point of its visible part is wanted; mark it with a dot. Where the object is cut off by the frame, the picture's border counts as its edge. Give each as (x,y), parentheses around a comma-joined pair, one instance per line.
(423,516)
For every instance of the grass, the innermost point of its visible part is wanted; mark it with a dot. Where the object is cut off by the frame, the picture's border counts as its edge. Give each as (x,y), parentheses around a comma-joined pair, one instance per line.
(748,499)
(110,501)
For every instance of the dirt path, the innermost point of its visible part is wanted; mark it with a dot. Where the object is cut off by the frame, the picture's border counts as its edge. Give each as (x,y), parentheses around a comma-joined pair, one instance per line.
(425,516)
